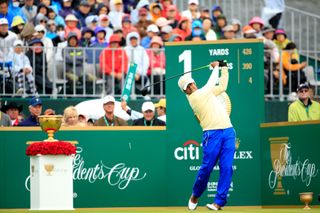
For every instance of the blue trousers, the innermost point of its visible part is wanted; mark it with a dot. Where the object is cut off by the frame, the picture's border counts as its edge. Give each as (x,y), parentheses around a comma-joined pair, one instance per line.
(217,145)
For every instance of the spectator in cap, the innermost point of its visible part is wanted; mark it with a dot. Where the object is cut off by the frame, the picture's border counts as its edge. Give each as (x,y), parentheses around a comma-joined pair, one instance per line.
(149,118)
(127,26)
(71,26)
(29,10)
(12,109)
(257,24)
(109,119)
(304,109)
(157,67)
(183,28)
(7,38)
(193,11)
(4,120)
(207,29)
(17,25)
(115,16)
(221,23)
(82,13)
(92,21)
(135,13)
(143,22)
(173,16)
(35,109)
(5,12)
(152,31)
(228,32)
(138,55)
(104,23)
(66,9)
(215,12)
(248,32)
(237,27)
(197,32)
(39,64)
(22,69)
(167,33)
(114,64)
(161,109)
(161,22)
(155,11)
(281,39)
(290,64)
(87,35)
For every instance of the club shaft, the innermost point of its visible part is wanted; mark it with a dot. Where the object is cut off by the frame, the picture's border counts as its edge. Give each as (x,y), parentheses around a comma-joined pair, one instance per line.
(174,76)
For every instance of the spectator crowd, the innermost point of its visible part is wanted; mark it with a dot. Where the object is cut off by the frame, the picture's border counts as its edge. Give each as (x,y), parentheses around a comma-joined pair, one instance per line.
(86,40)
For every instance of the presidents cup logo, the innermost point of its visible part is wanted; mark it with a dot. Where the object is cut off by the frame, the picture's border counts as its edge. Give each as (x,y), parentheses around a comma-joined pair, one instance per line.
(189,151)
(119,175)
(283,165)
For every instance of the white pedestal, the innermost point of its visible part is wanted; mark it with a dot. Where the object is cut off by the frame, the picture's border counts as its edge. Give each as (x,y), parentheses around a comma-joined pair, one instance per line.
(51,182)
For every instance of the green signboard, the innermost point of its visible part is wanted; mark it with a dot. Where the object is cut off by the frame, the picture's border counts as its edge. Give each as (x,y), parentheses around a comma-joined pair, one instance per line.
(290,162)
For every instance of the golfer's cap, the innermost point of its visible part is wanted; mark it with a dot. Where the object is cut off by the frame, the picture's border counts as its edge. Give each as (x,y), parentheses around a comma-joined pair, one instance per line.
(4,21)
(148,106)
(35,101)
(108,99)
(161,103)
(184,81)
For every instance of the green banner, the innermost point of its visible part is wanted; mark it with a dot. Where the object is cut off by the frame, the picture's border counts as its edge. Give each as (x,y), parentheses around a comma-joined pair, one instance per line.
(126,92)
(290,162)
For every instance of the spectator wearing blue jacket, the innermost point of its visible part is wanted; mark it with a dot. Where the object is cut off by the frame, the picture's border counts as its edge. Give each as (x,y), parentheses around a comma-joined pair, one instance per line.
(97,46)
(35,108)
(5,12)
(15,9)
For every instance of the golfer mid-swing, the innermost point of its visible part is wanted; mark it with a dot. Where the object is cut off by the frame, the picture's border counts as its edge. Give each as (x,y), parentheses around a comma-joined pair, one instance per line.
(218,140)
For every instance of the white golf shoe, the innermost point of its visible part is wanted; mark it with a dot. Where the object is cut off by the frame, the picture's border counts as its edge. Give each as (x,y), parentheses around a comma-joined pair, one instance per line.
(213,207)
(192,206)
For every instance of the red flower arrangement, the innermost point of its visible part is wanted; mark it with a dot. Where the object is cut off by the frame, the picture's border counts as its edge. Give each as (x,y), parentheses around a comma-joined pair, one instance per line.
(51,148)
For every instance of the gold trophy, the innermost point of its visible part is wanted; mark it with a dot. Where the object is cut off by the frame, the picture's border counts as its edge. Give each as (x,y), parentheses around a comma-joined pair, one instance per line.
(278,151)
(50,124)
(306,198)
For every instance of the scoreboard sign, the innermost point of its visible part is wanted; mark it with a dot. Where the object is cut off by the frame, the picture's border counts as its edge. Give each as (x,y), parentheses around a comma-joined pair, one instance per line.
(245,90)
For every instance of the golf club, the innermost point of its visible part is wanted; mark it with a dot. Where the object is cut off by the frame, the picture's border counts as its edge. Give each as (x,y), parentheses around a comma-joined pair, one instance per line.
(144,90)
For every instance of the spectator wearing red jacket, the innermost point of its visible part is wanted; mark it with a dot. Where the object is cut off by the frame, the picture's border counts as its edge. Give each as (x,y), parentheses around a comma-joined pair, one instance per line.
(114,64)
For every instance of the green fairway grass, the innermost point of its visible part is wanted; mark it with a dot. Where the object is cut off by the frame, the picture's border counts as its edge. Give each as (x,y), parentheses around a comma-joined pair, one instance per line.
(174,210)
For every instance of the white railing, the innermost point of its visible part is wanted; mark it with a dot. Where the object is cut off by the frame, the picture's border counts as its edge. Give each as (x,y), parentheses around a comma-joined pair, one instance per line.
(77,73)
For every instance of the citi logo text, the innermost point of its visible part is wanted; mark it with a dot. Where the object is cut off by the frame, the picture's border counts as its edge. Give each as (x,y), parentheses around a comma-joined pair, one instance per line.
(189,151)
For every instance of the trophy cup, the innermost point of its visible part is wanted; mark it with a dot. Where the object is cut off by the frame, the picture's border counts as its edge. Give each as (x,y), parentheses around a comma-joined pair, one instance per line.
(306,198)
(50,124)
(278,150)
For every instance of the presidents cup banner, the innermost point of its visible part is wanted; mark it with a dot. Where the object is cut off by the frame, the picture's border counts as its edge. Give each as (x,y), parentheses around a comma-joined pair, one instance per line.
(290,163)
